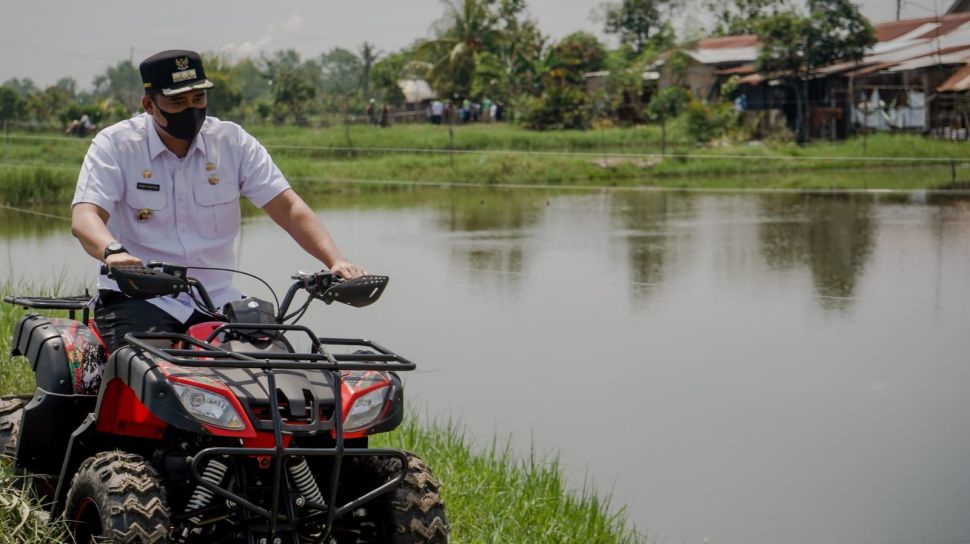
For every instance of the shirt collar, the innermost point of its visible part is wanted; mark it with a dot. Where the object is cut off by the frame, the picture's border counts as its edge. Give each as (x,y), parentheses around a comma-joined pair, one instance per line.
(156,146)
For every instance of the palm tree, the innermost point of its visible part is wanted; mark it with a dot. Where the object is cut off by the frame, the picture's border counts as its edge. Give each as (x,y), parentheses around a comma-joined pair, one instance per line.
(467,28)
(368,56)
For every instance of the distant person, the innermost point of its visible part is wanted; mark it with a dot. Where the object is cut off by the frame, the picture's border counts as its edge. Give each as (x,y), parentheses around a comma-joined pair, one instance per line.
(466,110)
(437,111)
(81,127)
(487,109)
(386,116)
(372,112)
(493,112)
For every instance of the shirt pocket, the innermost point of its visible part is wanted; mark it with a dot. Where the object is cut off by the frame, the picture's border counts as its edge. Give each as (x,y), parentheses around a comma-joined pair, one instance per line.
(217,206)
(146,213)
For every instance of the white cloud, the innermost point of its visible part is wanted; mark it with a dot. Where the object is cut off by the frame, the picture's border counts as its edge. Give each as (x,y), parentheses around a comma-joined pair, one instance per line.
(252,48)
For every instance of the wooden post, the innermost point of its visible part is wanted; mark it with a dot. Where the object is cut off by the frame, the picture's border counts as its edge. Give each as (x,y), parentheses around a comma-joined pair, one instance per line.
(451,135)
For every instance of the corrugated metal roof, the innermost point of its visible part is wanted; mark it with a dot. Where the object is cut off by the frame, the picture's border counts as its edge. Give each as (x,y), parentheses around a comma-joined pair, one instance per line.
(728,42)
(958,82)
(724,55)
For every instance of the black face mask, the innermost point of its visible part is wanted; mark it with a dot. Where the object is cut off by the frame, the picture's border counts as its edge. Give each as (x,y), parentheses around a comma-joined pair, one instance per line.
(185,124)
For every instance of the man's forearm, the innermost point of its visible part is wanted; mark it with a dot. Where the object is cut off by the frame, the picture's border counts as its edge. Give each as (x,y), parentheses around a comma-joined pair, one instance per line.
(88,226)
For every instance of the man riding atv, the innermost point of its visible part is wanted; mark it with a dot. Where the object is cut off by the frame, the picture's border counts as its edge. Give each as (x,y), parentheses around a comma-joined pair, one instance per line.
(206,423)
(165,185)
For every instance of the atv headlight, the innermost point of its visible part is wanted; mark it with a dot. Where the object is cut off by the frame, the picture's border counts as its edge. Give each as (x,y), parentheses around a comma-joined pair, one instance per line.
(366,409)
(209,407)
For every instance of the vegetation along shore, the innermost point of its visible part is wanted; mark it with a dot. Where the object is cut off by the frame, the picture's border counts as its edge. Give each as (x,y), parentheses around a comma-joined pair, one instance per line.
(42,168)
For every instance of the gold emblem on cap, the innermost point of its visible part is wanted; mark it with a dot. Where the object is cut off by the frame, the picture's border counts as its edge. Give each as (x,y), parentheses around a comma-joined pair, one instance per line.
(182,63)
(213,180)
(210,167)
(147,174)
(144,214)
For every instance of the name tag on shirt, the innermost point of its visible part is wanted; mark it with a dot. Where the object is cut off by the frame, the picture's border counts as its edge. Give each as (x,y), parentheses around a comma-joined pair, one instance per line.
(149,186)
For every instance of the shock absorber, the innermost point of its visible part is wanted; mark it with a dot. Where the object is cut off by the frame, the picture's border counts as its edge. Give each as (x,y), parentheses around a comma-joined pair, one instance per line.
(304,481)
(213,474)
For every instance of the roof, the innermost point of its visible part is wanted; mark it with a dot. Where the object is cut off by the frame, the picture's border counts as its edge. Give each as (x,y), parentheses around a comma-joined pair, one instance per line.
(415,90)
(726,50)
(906,45)
(958,82)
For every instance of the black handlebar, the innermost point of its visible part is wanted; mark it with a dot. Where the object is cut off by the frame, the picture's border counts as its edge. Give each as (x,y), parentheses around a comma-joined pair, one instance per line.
(164,279)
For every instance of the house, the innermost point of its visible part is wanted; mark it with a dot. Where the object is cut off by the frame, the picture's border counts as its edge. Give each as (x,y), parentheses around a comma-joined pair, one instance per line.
(914,78)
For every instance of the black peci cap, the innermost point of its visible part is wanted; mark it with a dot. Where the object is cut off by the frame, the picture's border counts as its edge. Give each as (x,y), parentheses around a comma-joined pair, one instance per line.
(174,72)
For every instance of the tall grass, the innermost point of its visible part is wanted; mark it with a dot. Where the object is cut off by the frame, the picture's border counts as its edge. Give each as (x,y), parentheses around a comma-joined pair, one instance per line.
(45,170)
(493,496)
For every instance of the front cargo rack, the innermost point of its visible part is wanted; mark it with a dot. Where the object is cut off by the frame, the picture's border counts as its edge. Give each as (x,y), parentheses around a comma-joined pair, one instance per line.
(196,353)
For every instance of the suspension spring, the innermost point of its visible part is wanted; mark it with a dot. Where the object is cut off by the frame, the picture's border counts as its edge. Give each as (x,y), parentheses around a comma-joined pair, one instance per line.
(213,474)
(304,482)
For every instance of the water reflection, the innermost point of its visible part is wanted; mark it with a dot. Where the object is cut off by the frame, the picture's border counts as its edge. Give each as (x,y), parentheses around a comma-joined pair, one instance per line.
(832,235)
(644,220)
(490,232)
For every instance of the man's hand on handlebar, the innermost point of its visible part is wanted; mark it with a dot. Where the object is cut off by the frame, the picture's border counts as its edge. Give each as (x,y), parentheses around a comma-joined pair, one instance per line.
(347,270)
(122,259)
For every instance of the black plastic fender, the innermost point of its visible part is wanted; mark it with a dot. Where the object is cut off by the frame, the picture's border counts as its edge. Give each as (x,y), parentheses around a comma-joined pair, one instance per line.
(65,355)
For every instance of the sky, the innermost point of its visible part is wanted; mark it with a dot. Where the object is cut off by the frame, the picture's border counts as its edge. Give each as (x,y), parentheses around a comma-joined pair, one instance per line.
(45,40)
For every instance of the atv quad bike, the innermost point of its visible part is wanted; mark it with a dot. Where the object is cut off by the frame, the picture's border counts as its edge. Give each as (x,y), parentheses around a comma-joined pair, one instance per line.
(228,433)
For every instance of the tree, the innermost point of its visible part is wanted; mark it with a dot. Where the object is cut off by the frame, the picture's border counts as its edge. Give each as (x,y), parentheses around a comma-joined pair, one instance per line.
(368,56)
(294,85)
(667,104)
(793,46)
(388,71)
(23,87)
(342,71)
(122,84)
(579,53)
(48,105)
(68,84)
(467,29)
(224,99)
(742,16)
(12,106)
(641,23)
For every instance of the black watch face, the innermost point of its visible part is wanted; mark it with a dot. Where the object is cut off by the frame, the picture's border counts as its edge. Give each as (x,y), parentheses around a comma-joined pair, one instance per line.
(113,248)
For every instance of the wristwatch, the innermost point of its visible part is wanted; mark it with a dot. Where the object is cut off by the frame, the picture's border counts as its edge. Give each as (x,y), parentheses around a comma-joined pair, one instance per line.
(112,248)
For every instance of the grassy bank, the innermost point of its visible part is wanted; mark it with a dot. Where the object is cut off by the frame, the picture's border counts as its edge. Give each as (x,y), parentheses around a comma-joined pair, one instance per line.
(37,169)
(490,494)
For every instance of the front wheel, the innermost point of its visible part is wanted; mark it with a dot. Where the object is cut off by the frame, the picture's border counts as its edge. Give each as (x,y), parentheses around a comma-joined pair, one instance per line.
(117,497)
(411,513)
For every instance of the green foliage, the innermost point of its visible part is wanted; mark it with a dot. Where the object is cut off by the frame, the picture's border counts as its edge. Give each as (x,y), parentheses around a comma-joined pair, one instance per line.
(294,86)
(48,106)
(392,68)
(668,103)
(12,106)
(641,23)
(122,85)
(742,16)
(23,87)
(559,106)
(467,29)
(709,122)
(839,32)
(578,53)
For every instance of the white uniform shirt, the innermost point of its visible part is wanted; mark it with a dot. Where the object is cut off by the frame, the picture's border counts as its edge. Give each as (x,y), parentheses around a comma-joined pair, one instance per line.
(181,211)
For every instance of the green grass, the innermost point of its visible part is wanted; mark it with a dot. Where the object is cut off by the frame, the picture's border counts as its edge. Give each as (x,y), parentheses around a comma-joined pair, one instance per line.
(493,496)
(44,169)
(21,520)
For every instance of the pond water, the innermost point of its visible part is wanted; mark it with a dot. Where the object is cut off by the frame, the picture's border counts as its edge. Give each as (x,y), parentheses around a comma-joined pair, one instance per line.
(753,368)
